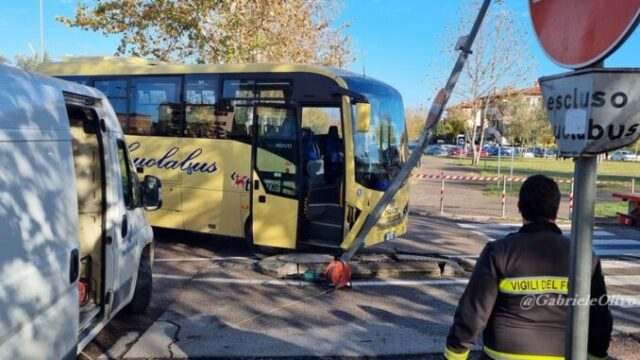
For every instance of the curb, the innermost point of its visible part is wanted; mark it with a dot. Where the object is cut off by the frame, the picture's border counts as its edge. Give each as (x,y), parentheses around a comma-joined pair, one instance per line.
(368,266)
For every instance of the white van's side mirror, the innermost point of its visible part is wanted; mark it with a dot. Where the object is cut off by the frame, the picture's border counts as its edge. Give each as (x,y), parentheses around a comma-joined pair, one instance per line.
(151,193)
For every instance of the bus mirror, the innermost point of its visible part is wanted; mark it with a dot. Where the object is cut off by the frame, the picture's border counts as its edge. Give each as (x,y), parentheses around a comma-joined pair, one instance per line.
(363,116)
(151,193)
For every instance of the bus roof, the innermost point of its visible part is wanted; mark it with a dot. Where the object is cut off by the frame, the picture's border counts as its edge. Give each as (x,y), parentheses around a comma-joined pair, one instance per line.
(35,101)
(109,65)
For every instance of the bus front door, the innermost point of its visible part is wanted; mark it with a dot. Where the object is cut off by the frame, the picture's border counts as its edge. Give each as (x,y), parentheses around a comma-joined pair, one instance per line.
(275,192)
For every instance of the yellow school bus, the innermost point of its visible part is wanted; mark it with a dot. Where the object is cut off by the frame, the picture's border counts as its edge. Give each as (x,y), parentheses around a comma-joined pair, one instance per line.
(278,154)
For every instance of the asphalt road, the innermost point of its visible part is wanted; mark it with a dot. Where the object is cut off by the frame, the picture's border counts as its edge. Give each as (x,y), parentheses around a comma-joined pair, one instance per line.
(209,302)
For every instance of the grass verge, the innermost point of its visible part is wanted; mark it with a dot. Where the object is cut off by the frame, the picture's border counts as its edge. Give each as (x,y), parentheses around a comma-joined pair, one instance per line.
(607,171)
(607,209)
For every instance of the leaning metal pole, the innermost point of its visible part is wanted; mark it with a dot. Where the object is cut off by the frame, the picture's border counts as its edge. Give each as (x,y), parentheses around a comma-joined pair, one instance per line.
(437,108)
(581,258)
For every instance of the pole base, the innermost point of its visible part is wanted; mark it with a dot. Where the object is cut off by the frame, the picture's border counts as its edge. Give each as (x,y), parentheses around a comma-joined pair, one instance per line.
(337,273)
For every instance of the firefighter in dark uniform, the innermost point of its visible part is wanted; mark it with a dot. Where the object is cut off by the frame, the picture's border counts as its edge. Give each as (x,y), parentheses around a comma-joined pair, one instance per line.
(517,294)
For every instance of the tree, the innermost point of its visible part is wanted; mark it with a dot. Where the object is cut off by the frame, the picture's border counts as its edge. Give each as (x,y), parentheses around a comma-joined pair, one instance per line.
(500,60)
(542,133)
(415,119)
(31,62)
(317,120)
(3,59)
(222,31)
(526,124)
(450,127)
(518,119)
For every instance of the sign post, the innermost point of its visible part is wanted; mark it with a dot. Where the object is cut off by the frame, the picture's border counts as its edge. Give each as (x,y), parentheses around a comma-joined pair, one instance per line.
(592,111)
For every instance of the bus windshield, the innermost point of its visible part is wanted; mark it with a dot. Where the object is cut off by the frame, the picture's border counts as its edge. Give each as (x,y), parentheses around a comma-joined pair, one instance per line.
(379,153)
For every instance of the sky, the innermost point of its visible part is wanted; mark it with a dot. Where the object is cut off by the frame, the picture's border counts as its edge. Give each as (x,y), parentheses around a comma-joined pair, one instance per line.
(395,40)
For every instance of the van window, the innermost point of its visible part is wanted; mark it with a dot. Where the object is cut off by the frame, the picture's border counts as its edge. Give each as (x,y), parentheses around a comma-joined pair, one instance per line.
(130,184)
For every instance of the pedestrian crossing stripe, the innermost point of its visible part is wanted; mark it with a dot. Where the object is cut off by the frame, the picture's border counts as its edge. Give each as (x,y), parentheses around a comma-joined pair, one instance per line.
(507,228)
(605,243)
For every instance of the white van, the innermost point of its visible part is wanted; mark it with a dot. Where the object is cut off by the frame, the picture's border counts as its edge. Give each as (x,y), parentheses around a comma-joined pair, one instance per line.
(75,246)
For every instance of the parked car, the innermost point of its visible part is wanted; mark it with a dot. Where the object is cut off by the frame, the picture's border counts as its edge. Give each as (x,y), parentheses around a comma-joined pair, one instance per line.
(528,153)
(441,151)
(505,151)
(431,149)
(412,145)
(448,148)
(624,155)
(550,154)
(483,153)
(459,151)
(493,151)
(538,152)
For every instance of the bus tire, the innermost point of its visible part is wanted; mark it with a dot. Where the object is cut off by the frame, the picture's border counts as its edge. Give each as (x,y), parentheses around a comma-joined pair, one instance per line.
(144,287)
(259,251)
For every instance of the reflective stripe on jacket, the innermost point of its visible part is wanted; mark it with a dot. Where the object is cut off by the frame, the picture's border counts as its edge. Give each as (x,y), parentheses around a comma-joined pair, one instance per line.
(517,298)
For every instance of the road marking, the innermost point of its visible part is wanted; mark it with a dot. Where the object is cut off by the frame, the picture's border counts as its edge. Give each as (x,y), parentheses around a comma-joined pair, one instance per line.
(602,233)
(617,252)
(624,301)
(279,282)
(609,279)
(596,242)
(506,228)
(612,242)
(605,243)
(615,280)
(204,259)
(618,264)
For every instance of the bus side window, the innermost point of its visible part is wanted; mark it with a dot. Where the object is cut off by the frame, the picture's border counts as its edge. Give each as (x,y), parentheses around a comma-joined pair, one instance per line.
(116,92)
(155,106)
(242,120)
(200,114)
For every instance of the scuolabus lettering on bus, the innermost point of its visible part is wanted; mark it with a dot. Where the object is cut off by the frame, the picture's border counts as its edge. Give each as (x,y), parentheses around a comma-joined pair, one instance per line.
(168,161)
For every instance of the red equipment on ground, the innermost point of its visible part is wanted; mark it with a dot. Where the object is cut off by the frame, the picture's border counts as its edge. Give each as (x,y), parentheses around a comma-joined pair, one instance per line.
(337,273)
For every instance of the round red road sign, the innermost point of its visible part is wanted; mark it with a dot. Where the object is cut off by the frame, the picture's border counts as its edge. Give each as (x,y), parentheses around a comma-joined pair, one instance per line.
(579,33)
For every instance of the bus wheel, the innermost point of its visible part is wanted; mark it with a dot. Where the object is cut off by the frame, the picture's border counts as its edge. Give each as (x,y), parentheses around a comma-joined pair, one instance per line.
(259,251)
(144,287)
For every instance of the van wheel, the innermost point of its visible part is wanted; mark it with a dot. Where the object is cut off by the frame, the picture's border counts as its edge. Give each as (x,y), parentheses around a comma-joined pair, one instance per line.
(144,287)
(259,251)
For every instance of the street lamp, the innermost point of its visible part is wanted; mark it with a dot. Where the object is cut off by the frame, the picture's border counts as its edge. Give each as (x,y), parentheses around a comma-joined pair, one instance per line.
(41,34)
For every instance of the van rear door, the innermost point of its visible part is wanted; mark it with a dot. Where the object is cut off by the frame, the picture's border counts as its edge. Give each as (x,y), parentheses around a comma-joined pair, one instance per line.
(38,222)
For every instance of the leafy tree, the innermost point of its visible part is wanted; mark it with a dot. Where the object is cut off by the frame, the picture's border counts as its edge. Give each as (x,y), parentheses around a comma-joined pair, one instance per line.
(451,126)
(542,132)
(3,59)
(525,124)
(222,31)
(30,62)
(318,120)
(500,59)
(415,119)
(518,120)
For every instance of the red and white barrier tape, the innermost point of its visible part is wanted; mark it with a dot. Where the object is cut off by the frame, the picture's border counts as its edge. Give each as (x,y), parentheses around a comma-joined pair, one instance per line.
(490,178)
